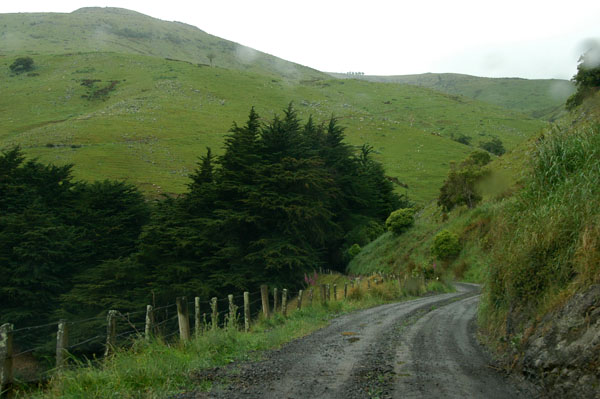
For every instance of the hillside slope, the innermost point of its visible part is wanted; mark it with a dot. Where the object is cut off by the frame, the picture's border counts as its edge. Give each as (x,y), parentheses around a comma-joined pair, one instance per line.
(538,98)
(535,244)
(151,126)
(96,29)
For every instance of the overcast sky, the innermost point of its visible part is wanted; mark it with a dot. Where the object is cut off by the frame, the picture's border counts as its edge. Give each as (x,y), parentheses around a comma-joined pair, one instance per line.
(529,39)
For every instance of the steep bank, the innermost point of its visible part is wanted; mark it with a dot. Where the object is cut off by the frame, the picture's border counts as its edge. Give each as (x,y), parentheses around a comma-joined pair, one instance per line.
(534,242)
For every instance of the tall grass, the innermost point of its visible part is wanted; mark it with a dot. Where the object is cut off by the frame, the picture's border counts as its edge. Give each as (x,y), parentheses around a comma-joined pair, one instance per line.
(546,243)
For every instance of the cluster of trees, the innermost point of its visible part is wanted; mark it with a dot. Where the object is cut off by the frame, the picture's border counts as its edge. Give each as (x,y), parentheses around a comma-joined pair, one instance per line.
(284,199)
(587,78)
(493,146)
(53,230)
(21,64)
(460,187)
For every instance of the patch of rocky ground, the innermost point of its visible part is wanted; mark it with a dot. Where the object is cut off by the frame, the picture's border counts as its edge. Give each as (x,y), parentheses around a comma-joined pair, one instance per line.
(562,352)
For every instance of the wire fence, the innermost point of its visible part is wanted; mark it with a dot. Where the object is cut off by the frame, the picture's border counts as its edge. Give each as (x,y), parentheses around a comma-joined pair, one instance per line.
(90,338)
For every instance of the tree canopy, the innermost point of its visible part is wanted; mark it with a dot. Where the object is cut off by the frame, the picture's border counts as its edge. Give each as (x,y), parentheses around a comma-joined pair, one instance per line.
(587,78)
(53,229)
(459,188)
(21,64)
(285,198)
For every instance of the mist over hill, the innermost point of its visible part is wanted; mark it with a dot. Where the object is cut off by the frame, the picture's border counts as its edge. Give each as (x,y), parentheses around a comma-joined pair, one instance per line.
(95,29)
(538,98)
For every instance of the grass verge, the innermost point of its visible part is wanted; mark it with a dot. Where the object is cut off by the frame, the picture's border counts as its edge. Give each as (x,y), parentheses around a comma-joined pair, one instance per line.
(159,368)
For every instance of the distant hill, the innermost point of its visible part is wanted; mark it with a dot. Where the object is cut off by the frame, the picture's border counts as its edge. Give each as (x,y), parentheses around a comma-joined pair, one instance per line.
(125,96)
(538,98)
(96,29)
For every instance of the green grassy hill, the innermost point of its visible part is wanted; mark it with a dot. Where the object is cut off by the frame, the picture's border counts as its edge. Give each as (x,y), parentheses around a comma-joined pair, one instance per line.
(95,29)
(538,98)
(161,114)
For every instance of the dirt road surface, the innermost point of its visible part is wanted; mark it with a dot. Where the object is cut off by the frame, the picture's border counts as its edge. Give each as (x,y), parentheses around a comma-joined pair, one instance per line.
(424,348)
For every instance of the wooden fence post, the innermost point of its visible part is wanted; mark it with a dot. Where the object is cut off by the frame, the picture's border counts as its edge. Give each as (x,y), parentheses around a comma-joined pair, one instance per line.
(345,290)
(335,292)
(264,295)
(232,322)
(111,332)
(300,299)
(246,311)
(368,284)
(197,317)
(149,327)
(183,318)
(328,293)
(275,300)
(323,295)
(284,302)
(6,357)
(215,313)
(62,342)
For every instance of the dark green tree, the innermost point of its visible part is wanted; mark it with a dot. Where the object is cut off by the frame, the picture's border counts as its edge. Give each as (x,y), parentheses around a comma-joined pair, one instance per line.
(587,78)
(460,187)
(53,230)
(22,64)
(493,146)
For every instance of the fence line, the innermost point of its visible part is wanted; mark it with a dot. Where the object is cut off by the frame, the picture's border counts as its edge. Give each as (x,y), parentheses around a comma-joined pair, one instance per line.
(151,327)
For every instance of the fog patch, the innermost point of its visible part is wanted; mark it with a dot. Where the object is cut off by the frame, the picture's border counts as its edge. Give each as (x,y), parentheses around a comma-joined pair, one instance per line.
(493,62)
(12,41)
(246,55)
(591,53)
(286,68)
(99,36)
(560,90)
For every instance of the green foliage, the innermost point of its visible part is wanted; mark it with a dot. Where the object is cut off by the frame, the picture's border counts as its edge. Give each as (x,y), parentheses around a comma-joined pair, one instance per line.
(494,146)
(364,231)
(53,230)
(284,199)
(22,64)
(353,250)
(460,187)
(400,220)
(461,138)
(547,233)
(446,245)
(587,78)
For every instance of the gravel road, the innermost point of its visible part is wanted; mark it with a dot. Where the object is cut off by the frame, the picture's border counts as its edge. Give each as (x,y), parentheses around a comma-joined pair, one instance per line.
(424,348)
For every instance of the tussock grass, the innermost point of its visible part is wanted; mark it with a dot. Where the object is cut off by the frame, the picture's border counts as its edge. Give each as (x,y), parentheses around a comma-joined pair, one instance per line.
(546,244)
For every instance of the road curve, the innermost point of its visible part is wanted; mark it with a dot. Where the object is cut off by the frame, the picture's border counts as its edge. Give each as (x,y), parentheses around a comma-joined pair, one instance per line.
(423,348)
(438,357)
